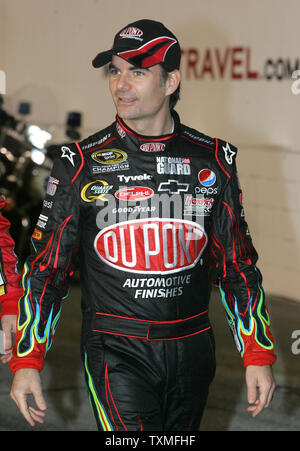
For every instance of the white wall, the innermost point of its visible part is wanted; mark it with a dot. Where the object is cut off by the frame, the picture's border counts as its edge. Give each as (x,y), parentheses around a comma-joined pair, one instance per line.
(46,48)
(271,182)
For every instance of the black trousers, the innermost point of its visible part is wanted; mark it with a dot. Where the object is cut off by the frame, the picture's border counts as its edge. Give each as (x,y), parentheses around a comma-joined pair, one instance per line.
(139,385)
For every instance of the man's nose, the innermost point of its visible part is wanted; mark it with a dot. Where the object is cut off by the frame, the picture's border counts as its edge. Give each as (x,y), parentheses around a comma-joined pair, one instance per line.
(123,82)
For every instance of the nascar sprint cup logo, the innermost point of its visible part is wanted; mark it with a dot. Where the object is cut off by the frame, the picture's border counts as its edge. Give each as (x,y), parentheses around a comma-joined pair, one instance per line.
(153,246)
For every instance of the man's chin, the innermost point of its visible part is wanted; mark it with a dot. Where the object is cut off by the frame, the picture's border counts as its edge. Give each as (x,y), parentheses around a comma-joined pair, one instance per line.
(126,116)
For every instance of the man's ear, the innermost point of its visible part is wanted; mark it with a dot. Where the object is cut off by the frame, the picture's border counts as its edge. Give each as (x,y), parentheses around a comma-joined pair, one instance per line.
(173,81)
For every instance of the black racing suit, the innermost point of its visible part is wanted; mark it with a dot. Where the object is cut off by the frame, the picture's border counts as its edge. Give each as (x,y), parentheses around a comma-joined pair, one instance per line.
(154,222)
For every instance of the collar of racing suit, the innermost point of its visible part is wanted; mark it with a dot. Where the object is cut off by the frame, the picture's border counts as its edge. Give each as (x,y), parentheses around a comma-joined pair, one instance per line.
(134,141)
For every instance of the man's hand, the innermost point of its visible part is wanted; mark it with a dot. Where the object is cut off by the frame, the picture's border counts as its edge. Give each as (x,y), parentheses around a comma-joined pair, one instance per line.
(261,378)
(27,381)
(8,324)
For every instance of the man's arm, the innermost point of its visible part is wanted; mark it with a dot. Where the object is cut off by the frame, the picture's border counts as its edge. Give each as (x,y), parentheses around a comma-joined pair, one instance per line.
(240,283)
(47,271)
(260,387)
(46,278)
(25,382)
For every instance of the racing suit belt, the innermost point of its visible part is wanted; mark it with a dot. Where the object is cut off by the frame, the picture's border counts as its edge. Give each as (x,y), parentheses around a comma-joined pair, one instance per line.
(151,330)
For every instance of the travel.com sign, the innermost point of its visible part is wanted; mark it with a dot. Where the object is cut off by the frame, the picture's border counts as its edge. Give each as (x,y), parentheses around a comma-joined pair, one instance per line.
(235,63)
(2,82)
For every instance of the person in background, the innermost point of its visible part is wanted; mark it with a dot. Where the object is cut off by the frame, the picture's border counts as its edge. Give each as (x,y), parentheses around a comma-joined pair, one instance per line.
(10,285)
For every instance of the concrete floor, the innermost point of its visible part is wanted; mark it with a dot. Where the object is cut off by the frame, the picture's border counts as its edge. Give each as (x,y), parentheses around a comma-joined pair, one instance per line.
(68,405)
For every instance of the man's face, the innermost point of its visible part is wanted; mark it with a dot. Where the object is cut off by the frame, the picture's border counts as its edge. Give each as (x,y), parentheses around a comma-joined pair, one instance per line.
(138,94)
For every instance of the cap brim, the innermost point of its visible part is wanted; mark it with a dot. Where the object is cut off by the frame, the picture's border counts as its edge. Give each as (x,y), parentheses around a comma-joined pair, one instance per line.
(102,58)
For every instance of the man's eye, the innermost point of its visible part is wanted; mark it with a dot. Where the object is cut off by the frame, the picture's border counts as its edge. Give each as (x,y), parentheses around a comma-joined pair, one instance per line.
(113,71)
(138,73)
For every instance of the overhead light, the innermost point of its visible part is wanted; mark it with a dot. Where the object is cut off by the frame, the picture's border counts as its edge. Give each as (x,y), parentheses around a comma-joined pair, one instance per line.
(37,156)
(37,136)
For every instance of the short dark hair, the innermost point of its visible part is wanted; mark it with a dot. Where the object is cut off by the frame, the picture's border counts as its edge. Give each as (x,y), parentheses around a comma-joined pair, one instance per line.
(176,94)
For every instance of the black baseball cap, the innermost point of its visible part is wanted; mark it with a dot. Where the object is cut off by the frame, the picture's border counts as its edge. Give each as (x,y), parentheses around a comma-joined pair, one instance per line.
(144,44)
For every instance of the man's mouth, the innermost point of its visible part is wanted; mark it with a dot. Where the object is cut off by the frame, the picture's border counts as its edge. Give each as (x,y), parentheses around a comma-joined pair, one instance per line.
(127,101)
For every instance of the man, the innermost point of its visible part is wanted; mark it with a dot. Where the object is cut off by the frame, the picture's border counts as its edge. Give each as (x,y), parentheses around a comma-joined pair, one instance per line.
(154,210)
(10,285)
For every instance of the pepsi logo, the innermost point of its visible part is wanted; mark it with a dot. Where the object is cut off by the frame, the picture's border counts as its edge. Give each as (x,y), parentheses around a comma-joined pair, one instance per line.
(134,193)
(207,177)
(152,246)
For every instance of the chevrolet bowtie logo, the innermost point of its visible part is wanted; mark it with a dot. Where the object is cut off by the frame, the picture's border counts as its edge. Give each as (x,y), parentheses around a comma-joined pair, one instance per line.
(173,187)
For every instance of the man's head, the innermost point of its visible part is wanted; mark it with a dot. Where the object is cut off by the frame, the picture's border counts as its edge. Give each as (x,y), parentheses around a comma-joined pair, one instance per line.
(145,44)
(141,94)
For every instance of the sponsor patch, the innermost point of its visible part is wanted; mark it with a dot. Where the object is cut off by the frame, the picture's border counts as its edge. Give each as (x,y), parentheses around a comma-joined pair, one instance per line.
(121,130)
(94,190)
(173,165)
(173,187)
(37,234)
(47,204)
(96,143)
(134,193)
(42,221)
(133,178)
(109,156)
(151,246)
(110,160)
(207,177)
(198,206)
(52,186)
(158,287)
(153,147)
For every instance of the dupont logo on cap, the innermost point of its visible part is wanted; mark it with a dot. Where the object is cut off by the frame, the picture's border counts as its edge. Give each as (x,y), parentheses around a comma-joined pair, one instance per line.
(144,44)
(132,33)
